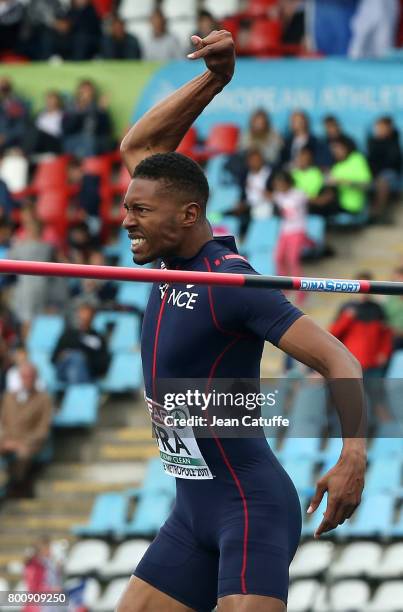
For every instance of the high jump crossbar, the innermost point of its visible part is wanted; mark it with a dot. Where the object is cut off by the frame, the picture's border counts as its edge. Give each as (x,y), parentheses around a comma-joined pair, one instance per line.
(153,275)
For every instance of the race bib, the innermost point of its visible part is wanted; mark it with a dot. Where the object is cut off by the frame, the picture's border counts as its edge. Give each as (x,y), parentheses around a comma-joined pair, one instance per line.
(179,451)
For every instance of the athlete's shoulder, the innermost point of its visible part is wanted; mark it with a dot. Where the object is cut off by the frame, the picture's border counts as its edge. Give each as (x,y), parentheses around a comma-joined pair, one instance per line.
(223,256)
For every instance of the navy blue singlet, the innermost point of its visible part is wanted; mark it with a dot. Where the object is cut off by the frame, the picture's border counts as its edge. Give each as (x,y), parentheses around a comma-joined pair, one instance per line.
(236,522)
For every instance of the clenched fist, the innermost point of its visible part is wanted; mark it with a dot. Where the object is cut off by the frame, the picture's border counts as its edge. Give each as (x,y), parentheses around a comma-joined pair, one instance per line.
(218,51)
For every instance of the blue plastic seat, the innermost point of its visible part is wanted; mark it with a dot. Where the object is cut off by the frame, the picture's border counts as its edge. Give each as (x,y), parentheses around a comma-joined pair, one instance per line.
(79,407)
(125,333)
(46,370)
(299,448)
(373,517)
(124,373)
(386,441)
(300,471)
(156,480)
(384,474)
(215,171)
(108,516)
(151,512)
(263,263)
(44,333)
(222,198)
(262,236)
(316,229)
(343,219)
(395,369)
(134,294)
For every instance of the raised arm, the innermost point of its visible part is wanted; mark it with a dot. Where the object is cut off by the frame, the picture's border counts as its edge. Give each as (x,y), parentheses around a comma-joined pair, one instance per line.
(162,128)
(344,483)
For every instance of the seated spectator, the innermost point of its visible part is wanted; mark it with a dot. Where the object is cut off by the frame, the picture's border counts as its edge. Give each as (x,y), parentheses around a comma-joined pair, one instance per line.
(48,125)
(333,131)
(292,16)
(13,117)
(99,292)
(25,421)
(290,204)
(161,45)
(261,135)
(119,44)
(7,202)
(11,16)
(42,31)
(254,201)
(85,203)
(206,23)
(6,232)
(14,383)
(374,28)
(299,136)
(84,30)
(86,125)
(394,313)
(81,243)
(30,292)
(385,160)
(9,337)
(81,354)
(348,182)
(361,325)
(308,178)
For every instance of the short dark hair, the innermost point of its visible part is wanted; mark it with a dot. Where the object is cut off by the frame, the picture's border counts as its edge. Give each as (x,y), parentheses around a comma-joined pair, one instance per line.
(345,142)
(179,173)
(284,175)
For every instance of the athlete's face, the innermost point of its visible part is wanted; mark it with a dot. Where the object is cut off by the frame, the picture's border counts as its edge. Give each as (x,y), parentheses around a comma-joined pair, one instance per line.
(155,221)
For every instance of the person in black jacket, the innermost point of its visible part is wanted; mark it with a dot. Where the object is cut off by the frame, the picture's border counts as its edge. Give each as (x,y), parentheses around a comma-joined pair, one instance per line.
(299,136)
(81,354)
(385,159)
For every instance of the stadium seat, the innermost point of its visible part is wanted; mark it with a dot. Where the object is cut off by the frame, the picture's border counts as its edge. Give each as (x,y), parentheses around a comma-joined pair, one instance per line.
(173,9)
(386,443)
(308,415)
(188,142)
(332,450)
(134,294)
(108,516)
(262,236)
(99,165)
(264,39)
(44,333)
(263,263)
(300,471)
(125,558)
(357,559)
(312,559)
(222,8)
(347,220)
(302,595)
(395,369)
(49,174)
(156,481)
(216,171)
(222,139)
(51,207)
(316,231)
(222,198)
(384,474)
(390,564)
(79,407)
(150,513)
(103,7)
(124,373)
(46,370)
(125,333)
(112,594)
(373,517)
(259,8)
(388,598)
(85,590)
(349,595)
(123,182)
(86,557)
(129,10)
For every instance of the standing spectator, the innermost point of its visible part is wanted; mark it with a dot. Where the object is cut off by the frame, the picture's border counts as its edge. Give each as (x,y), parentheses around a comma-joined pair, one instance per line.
(84,30)
(48,125)
(291,206)
(81,354)
(11,16)
(261,135)
(308,178)
(25,421)
(42,573)
(30,292)
(385,160)
(374,28)
(13,116)
(119,44)
(394,313)
(298,137)
(161,45)
(86,123)
(41,29)
(292,15)
(362,327)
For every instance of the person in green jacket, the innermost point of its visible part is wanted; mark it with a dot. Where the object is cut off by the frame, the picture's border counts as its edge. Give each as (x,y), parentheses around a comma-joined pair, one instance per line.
(308,178)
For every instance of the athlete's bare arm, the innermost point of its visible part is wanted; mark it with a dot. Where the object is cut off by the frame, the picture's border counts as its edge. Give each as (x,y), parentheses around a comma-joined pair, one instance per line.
(308,343)
(162,128)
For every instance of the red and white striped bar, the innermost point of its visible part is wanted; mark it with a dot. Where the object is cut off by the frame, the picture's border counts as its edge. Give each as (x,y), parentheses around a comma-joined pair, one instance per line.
(154,275)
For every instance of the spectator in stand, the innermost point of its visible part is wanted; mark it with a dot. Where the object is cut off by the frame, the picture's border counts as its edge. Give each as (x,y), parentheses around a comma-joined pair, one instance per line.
(86,124)
(6,232)
(394,313)
(42,572)
(348,182)
(119,44)
(308,178)
(31,292)
(299,136)
(81,243)
(330,25)
(42,29)
(84,30)
(292,16)
(9,336)
(11,17)
(361,325)
(290,204)
(99,292)
(206,23)
(374,28)
(14,382)
(161,45)
(25,421)
(48,125)
(81,354)
(85,203)
(385,160)
(7,202)
(261,135)
(14,117)
(333,131)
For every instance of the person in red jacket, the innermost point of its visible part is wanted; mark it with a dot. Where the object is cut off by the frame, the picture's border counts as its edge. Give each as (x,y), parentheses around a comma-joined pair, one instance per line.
(361,325)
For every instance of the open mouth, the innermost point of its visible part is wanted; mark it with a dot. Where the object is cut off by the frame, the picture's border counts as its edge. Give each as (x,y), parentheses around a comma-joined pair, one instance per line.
(136,244)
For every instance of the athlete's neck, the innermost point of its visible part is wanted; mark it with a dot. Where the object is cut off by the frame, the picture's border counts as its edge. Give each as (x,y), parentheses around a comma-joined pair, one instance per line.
(193,243)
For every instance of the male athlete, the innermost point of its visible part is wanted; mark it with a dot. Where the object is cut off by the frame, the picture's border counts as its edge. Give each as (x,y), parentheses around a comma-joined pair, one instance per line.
(236,523)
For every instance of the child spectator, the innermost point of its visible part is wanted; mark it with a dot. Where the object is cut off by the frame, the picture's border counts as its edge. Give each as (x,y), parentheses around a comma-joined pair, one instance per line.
(385,160)
(291,206)
(307,177)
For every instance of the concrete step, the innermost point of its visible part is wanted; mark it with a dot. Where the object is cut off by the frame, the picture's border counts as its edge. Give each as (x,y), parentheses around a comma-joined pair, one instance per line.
(123,452)
(45,506)
(67,488)
(44,524)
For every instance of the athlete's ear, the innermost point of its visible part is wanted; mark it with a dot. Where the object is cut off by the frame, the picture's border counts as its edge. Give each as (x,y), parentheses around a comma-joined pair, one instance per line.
(191,213)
